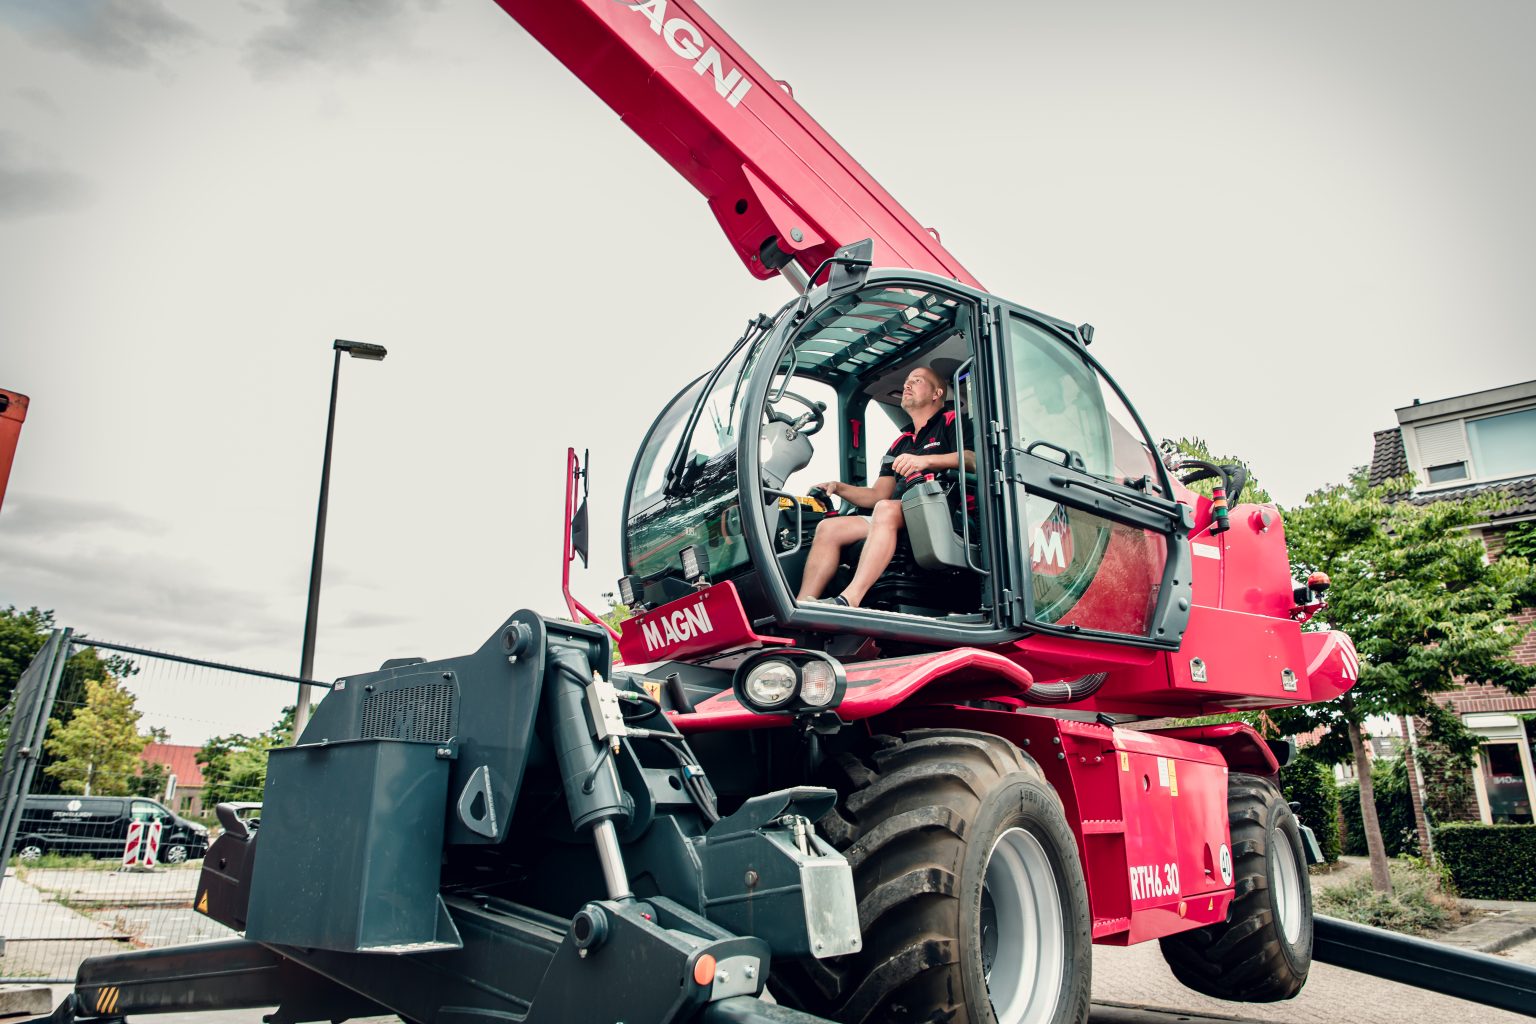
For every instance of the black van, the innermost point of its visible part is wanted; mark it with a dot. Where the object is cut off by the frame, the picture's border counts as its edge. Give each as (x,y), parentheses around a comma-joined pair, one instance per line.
(98,826)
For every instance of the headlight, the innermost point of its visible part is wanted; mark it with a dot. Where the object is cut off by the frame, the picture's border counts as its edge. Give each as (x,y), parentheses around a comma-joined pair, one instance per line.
(790,681)
(770,684)
(818,683)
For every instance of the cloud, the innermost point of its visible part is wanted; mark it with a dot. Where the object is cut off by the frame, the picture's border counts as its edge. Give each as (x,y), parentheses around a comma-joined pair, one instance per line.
(28,190)
(342,33)
(39,517)
(39,98)
(131,34)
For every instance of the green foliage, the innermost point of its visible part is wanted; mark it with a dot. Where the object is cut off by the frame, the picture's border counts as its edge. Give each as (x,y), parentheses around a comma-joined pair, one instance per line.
(151,779)
(1196,448)
(97,751)
(1394,812)
(1490,862)
(1448,785)
(1412,589)
(235,766)
(1520,541)
(1418,903)
(1310,784)
(615,615)
(21,637)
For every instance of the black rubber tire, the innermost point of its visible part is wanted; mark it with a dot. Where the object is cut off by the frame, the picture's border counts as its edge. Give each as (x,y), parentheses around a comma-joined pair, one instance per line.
(1248,958)
(24,847)
(918,817)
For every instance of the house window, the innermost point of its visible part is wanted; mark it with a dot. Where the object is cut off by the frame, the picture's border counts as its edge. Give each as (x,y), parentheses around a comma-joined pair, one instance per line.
(1447,473)
(1509,800)
(1503,445)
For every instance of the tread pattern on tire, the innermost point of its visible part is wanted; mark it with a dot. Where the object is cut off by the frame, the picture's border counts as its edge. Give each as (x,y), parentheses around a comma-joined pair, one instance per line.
(1243,959)
(908,807)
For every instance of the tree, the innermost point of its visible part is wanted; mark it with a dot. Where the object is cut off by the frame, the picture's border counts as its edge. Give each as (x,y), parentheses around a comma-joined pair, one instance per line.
(235,766)
(97,750)
(21,637)
(1411,587)
(615,615)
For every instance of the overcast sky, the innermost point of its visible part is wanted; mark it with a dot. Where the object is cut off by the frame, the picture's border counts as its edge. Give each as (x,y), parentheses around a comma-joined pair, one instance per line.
(1284,220)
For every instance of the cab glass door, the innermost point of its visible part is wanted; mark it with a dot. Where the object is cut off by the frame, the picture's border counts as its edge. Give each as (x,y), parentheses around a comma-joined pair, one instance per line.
(1090,499)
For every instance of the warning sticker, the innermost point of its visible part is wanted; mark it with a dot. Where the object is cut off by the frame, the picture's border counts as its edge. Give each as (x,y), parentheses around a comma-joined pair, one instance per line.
(652,687)
(1125,761)
(1173,777)
(1162,772)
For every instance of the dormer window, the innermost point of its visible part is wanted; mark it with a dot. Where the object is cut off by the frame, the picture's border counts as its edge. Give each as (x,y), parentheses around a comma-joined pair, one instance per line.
(1503,446)
(1447,473)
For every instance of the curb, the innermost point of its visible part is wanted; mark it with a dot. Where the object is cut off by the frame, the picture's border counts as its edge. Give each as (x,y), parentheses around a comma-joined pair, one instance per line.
(16,1000)
(1508,940)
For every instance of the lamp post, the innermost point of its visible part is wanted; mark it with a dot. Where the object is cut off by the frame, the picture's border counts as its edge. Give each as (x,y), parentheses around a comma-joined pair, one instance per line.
(357,350)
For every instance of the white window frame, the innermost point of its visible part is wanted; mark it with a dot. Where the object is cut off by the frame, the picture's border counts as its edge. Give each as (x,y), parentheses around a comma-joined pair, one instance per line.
(1499,728)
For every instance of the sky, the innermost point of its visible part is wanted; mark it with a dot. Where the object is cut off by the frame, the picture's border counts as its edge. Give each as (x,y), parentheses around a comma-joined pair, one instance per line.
(1284,221)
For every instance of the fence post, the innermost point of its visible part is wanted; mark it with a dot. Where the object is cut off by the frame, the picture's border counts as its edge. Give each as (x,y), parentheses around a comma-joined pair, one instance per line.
(31,703)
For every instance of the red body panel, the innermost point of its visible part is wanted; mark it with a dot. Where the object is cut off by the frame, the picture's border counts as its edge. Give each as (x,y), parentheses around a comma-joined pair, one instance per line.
(701,627)
(723,123)
(1150,813)
(11,418)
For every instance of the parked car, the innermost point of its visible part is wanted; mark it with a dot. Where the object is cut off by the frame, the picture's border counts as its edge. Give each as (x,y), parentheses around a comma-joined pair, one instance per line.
(97,826)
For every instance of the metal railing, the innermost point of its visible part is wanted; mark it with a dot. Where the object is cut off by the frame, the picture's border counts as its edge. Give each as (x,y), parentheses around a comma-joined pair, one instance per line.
(76,794)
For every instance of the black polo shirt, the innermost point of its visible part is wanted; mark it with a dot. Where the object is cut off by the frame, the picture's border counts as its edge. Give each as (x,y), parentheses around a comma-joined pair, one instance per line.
(936,438)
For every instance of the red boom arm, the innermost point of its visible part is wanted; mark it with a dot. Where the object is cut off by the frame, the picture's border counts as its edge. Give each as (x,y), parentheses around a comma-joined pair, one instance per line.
(779,185)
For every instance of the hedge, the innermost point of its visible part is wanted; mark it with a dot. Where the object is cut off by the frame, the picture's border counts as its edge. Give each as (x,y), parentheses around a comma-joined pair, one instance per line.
(1310,784)
(1394,812)
(1489,862)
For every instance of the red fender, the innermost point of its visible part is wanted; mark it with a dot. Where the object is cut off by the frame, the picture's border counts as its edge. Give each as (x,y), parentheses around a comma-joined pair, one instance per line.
(1244,749)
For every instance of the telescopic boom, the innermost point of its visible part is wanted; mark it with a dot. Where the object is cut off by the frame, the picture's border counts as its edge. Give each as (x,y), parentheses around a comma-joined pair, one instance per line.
(785,193)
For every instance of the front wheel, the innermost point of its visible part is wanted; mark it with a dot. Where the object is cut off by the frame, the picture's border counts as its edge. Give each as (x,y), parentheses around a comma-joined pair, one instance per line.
(175,854)
(1263,952)
(971,894)
(29,850)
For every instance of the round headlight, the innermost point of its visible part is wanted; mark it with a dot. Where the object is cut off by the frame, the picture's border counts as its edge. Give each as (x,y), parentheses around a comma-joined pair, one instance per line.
(818,683)
(770,684)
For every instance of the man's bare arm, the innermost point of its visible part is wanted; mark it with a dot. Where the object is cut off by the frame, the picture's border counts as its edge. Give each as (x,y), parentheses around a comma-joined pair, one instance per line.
(864,497)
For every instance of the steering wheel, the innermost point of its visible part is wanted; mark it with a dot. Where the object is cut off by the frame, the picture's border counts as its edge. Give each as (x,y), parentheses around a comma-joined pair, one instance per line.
(808,422)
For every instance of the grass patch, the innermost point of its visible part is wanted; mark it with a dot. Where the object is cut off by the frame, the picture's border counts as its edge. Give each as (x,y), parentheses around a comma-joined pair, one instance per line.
(1420,903)
(57,860)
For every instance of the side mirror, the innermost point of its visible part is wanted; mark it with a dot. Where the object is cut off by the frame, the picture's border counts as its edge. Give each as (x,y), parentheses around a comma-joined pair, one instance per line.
(579,533)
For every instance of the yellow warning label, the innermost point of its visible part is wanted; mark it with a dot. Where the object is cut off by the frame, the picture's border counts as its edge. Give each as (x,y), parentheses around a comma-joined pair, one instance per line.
(1125,761)
(1173,777)
(202,903)
(652,687)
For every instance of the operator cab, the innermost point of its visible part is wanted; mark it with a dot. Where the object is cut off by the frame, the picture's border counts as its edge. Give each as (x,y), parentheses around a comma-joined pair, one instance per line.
(1062,519)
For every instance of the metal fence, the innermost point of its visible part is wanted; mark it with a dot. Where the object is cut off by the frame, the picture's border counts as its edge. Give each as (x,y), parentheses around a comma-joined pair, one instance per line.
(74,805)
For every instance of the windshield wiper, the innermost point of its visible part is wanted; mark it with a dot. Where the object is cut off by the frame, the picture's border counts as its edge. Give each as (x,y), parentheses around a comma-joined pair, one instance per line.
(674,483)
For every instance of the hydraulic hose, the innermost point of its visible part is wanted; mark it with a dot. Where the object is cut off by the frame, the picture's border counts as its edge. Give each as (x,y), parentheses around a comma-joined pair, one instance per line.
(1068,692)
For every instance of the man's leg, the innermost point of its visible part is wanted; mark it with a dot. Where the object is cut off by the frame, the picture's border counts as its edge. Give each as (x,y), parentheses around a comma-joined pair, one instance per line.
(878,549)
(832,535)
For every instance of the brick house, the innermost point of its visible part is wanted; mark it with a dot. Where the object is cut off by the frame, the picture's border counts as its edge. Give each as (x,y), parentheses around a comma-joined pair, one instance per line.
(180,761)
(1455,448)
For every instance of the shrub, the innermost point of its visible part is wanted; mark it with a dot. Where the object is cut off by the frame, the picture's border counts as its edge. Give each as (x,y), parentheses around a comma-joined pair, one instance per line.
(1490,862)
(1394,812)
(1418,903)
(1310,784)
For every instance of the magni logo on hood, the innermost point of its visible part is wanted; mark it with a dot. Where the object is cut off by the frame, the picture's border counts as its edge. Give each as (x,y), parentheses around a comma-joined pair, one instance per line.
(685,40)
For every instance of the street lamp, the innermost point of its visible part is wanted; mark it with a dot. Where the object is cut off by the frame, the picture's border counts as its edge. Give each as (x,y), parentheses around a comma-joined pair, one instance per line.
(357,350)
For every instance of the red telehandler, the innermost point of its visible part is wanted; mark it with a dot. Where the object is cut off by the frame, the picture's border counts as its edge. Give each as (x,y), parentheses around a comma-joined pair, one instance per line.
(926,808)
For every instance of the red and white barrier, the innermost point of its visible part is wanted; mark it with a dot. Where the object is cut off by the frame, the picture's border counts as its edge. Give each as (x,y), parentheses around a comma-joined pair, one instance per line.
(143,844)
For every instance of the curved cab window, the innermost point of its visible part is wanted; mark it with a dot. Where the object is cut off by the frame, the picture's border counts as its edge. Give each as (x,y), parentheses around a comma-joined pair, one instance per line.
(1085,570)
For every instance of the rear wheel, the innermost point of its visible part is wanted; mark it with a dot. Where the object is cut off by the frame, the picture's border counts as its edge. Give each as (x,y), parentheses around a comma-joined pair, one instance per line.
(31,849)
(971,895)
(1263,952)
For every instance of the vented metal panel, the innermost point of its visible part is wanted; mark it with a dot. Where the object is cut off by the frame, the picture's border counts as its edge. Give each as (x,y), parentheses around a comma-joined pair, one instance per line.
(410,713)
(1441,443)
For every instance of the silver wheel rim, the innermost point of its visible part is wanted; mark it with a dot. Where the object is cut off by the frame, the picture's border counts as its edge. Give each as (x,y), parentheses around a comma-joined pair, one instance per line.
(176,854)
(30,853)
(1285,882)
(1023,948)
